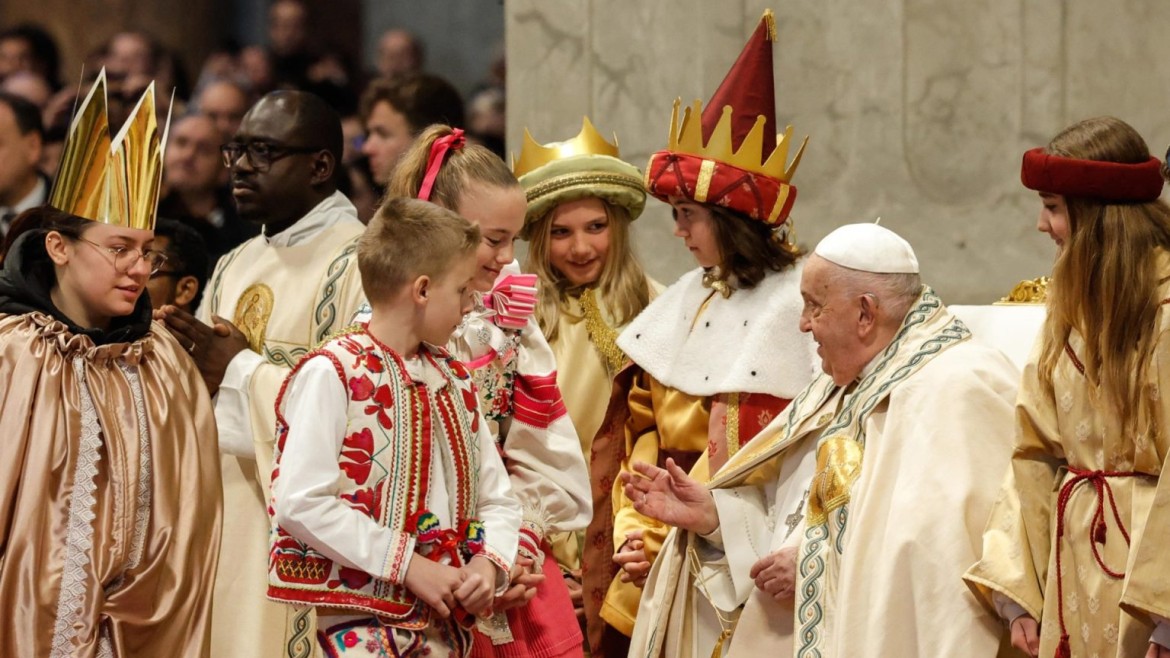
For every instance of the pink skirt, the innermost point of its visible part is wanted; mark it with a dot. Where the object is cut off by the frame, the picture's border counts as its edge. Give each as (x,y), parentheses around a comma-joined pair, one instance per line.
(545,628)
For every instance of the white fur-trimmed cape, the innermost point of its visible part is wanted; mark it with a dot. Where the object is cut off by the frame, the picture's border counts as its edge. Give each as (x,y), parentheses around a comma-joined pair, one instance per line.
(748,343)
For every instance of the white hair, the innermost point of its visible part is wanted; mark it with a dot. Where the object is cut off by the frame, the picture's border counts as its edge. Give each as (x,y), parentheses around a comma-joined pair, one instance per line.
(895,293)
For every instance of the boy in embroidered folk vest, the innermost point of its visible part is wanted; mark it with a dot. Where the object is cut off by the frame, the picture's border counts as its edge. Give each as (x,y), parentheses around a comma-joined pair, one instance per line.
(391,508)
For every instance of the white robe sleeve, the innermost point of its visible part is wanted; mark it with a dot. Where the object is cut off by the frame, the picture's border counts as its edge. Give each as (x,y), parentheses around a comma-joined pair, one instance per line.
(543,453)
(306,496)
(233,413)
(497,509)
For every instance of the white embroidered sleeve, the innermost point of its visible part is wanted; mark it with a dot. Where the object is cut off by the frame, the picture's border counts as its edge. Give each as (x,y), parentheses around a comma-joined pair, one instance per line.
(498,509)
(306,494)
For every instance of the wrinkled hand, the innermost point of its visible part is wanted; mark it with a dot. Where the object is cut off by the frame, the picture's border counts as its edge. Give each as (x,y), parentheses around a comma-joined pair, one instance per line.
(576,593)
(671,496)
(775,574)
(631,557)
(479,582)
(212,347)
(523,580)
(1026,635)
(1157,651)
(435,584)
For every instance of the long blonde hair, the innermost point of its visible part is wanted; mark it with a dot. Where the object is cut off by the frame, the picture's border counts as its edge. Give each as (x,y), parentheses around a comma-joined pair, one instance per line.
(622,284)
(1105,281)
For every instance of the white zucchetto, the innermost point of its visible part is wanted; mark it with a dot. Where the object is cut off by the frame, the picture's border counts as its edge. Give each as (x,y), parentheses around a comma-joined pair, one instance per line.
(868,248)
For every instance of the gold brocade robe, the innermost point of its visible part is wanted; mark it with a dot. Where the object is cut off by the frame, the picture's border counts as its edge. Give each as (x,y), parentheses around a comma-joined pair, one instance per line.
(1068,426)
(110,502)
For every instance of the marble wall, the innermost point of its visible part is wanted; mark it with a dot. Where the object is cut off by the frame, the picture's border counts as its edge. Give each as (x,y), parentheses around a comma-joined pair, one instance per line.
(918,110)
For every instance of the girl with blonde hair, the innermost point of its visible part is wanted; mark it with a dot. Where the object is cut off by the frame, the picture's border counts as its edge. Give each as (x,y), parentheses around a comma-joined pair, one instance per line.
(515,375)
(581,200)
(1073,556)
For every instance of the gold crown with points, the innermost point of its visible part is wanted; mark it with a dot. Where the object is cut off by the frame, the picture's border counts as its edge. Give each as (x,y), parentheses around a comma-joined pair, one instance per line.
(112,181)
(534,155)
(688,139)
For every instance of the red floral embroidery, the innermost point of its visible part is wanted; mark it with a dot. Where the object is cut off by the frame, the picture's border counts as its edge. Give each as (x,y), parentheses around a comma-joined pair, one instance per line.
(360,388)
(471,401)
(367,500)
(358,448)
(383,398)
(350,578)
(350,640)
(365,357)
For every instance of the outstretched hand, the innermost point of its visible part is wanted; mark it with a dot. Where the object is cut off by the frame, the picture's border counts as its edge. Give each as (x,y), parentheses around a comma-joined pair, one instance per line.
(671,496)
(213,347)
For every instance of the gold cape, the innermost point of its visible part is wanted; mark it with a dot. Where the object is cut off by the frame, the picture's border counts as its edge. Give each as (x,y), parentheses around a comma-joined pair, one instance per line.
(110,503)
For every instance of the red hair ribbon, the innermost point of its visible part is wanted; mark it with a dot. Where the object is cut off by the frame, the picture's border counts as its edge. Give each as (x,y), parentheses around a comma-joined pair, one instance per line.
(1092,179)
(439,149)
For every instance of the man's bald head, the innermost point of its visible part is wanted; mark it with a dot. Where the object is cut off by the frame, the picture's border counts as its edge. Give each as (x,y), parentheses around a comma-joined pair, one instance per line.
(311,121)
(298,137)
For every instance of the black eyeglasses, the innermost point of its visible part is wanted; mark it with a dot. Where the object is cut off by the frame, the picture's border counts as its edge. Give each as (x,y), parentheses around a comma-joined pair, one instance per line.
(261,155)
(126,258)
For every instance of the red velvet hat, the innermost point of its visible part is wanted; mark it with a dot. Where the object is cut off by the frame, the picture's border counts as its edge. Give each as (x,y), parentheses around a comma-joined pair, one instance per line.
(719,159)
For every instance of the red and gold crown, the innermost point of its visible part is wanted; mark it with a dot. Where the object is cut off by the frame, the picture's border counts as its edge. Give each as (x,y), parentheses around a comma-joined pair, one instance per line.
(729,154)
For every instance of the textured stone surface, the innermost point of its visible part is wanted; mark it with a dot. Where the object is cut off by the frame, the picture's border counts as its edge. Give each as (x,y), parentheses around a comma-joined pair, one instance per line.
(918,110)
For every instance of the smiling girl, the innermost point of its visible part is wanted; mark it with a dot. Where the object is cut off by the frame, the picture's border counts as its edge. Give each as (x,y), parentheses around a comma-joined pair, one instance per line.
(581,201)
(109,468)
(719,353)
(1074,552)
(515,374)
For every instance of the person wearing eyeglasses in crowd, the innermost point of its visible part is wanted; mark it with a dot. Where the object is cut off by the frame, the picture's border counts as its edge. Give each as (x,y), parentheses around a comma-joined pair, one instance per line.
(269,301)
(180,280)
(110,499)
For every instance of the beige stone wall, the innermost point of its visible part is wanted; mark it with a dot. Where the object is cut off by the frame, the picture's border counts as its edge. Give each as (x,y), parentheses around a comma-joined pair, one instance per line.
(918,110)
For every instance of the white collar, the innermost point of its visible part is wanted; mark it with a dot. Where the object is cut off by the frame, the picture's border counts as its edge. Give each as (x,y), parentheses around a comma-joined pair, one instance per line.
(333,209)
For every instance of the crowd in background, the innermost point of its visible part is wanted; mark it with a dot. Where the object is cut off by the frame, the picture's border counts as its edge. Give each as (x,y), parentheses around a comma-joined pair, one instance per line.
(382,111)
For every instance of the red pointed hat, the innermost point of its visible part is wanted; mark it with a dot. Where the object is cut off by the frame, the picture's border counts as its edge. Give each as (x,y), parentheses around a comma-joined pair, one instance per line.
(719,158)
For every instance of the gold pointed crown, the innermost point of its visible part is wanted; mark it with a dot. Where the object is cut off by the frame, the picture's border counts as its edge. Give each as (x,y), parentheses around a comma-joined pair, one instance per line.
(688,139)
(112,181)
(587,142)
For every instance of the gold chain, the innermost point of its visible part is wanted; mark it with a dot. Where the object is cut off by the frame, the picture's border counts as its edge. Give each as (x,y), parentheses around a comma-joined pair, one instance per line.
(603,336)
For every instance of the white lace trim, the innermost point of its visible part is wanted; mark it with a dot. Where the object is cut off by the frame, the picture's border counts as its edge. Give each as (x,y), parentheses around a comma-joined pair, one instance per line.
(105,648)
(145,475)
(79,535)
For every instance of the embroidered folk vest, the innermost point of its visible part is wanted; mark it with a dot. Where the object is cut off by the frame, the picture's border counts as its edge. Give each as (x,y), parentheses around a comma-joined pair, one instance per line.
(395,428)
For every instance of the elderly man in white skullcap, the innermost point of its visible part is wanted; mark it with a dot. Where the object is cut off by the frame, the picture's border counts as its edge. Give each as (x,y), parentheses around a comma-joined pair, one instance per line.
(844,528)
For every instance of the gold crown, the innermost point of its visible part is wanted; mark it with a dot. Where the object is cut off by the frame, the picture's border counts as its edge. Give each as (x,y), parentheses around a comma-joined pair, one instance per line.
(587,142)
(749,157)
(114,181)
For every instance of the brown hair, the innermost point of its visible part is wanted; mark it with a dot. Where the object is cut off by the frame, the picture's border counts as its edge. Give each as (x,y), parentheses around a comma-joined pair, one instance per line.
(1110,255)
(470,163)
(422,98)
(622,284)
(42,220)
(409,238)
(748,249)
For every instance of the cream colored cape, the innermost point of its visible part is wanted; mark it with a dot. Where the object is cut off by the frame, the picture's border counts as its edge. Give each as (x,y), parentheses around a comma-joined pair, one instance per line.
(1067,425)
(932,454)
(286,300)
